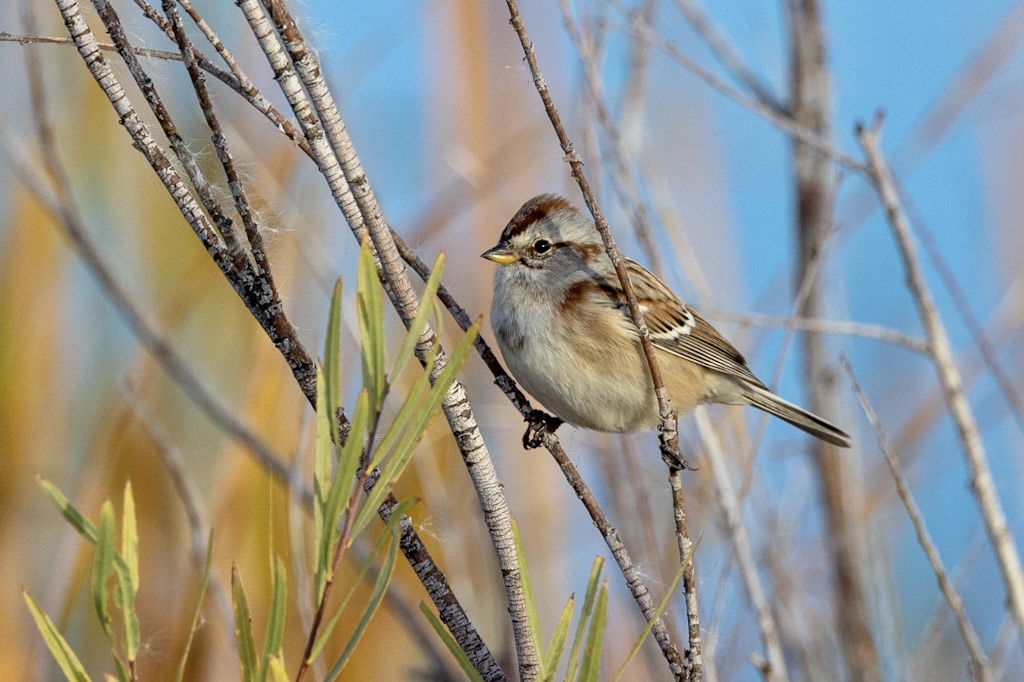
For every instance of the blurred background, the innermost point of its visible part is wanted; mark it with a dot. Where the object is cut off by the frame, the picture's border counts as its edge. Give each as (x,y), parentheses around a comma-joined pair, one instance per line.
(445,117)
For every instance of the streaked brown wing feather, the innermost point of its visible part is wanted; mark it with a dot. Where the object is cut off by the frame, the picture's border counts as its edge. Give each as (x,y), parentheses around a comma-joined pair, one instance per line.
(677,328)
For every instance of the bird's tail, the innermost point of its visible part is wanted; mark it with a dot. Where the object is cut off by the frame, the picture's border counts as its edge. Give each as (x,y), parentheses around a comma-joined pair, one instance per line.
(763,399)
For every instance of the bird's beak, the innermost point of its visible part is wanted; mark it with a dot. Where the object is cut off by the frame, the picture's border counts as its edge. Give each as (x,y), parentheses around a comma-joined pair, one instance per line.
(500,254)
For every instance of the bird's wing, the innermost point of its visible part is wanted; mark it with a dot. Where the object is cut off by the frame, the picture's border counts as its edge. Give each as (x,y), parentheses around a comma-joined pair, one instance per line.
(676,328)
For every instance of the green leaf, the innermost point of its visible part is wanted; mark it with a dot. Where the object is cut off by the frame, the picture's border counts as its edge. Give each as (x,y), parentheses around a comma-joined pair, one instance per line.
(370,308)
(593,583)
(403,419)
(531,604)
(554,652)
(591,664)
(332,358)
(197,611)
(419,322)
(277,670)
(55,642)
(467,666)
(338,493)
(442,383)
(351,454)
(379,587)
(273,643)
(81,524)
(323,464)
(325,632)
(243,628)
(654,617)
(103,566)
(130,537)
(418,421)
(125,600)
(128,574)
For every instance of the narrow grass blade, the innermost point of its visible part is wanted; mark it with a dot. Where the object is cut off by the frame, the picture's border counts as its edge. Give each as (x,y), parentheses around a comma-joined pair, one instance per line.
(81,524)
(531,604)
(593,584)
(471,672)
(590,666)
(350,456)
(332,358)
(379,587)
(243,628)
(124,597)
(338,493)
(402,451)
(103,566)
(557,646)
(197,612)
(657,614)
(128,576)
(273,643)
(325,632)
(130,537)
(422,315)
(403,419)
(370,309)
(277,670)
(55,642)
(442,383)
(324,527)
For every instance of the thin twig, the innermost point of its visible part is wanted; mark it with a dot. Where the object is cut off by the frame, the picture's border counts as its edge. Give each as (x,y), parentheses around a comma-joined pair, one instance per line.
(243,87)
(982,484)
(694,655)
(775,668)
(986,351)
(220,144)
(636,586)
(627,186)
(817,325)
(250,287)
(727,55)
(780,120)
(979,662)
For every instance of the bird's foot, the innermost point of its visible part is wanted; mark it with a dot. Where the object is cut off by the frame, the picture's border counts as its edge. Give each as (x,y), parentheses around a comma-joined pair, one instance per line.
(540,424)
(675,460)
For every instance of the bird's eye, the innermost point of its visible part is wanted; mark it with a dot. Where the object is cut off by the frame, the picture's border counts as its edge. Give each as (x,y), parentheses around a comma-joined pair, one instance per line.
(541,246)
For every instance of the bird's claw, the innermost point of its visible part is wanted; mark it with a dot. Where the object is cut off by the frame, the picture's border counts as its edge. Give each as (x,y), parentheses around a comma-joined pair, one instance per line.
(539,424)
(675,460)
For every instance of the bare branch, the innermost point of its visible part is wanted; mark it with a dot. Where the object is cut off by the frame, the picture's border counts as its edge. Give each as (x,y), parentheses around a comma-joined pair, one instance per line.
(982,484)
(775,668)
(979,662)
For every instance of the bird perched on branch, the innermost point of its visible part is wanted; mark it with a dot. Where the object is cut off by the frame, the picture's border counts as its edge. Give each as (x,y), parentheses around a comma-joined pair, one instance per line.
(562,322)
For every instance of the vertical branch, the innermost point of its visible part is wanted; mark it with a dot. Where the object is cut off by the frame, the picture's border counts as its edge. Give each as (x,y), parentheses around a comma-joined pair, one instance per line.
(694,656)
(810,110)
(982,484)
